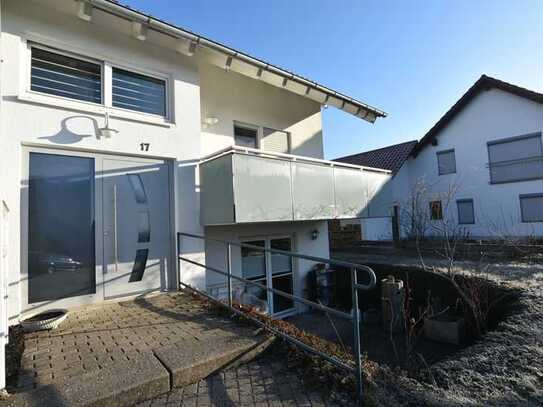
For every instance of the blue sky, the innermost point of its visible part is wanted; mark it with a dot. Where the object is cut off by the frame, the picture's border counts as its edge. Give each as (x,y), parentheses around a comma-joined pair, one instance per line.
(413,59)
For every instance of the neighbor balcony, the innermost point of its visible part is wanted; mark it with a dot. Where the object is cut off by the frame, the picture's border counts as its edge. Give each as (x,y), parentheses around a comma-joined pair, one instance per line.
(244,185)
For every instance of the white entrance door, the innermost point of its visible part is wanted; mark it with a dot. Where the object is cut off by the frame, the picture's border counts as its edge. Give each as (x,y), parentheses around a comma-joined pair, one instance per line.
(136,225)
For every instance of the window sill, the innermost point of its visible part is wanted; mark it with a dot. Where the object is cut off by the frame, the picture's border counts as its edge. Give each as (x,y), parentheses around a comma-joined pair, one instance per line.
(92,108)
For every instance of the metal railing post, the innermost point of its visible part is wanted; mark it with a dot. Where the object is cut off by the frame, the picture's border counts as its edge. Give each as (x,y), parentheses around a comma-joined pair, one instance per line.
(356,336)
(229,271)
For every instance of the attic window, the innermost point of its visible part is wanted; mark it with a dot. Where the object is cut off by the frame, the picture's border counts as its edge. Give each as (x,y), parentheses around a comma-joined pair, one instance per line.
(446,162)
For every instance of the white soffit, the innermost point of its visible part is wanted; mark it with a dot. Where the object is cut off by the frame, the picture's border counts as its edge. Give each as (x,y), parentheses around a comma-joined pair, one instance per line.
(188,43)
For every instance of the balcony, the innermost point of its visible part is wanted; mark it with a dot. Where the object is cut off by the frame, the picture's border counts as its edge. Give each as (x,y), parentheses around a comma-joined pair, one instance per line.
(244,185)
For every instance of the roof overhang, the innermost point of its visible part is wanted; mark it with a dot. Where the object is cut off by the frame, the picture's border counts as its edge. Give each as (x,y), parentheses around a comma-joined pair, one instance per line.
(189,43)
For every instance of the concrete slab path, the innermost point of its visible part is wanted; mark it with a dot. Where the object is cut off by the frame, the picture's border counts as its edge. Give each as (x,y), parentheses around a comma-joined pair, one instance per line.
(126,352)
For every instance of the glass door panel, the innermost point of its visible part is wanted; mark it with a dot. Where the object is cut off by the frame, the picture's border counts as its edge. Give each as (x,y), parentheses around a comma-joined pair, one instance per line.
(253,267)
(61,253)
(281,274)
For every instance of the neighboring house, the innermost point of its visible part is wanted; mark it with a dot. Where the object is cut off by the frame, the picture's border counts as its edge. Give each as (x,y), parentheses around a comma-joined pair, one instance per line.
(376,223)
(120,130)
(487,149)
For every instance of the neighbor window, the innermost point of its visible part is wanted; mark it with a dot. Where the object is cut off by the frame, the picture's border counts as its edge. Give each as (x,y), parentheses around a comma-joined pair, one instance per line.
(436,212)
(246,136)
(515,159)
(275,140)
(466,214)
(60,75)
(531,207)
(446,162)
(138,92)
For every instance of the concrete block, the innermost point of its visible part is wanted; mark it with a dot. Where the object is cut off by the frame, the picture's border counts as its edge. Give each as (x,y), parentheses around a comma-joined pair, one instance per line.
(123,384)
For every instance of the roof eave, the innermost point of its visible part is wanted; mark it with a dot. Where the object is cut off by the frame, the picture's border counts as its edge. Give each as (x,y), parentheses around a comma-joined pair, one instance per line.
(320,94)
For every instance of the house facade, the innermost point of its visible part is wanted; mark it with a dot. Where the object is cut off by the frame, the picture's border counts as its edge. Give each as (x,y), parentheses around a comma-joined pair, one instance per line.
(480,168)
(118,131)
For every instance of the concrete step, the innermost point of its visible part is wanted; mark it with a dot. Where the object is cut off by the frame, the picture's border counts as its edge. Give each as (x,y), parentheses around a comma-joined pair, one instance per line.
(189,362)
(147,376)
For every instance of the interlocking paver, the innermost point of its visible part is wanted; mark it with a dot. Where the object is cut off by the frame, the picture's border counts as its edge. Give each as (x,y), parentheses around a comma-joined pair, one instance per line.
(95,337)
(262,382)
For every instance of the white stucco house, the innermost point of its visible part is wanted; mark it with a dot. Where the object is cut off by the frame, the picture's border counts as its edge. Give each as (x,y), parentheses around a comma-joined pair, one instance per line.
(487,149)
(118,131)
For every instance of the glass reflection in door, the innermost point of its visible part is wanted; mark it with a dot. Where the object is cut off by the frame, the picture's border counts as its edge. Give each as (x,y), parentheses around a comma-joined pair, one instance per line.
(253,267)
(61,257)
(281,274)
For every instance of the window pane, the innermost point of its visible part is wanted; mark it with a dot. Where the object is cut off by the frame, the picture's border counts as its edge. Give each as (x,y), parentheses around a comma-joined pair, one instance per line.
(138,92)
(245,137)
(275,140)
(466,213)
(60,75)
(282,283)
(281,263)
(61,261)
(253,261)
(435,210)
(446,162)
(516,160)
(532,208)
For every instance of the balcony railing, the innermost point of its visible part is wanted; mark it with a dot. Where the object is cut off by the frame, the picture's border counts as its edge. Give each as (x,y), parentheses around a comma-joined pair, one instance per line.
(245,185)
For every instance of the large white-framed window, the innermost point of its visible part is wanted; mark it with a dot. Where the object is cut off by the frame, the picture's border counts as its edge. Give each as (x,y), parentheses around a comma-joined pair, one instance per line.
(271,270)
(74,80)
(516,159)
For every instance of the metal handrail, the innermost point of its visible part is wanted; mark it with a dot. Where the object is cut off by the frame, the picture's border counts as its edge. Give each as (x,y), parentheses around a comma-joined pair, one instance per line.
(355,286)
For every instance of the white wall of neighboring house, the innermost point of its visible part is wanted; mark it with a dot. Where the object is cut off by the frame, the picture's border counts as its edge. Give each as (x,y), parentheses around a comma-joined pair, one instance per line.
(492,115)
(196,90)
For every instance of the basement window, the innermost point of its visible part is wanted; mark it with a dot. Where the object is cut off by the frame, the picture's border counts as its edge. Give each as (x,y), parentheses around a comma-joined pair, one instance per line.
(69,77)
(436,211)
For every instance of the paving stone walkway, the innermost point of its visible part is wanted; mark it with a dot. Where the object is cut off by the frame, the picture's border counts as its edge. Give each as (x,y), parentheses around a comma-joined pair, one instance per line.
(264,382)
(96,337)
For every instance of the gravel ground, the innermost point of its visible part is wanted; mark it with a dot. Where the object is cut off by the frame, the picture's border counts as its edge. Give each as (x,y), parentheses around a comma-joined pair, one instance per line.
(505,368)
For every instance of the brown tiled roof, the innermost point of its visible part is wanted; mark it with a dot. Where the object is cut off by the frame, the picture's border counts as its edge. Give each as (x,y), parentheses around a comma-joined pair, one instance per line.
(482,84)
(388,158)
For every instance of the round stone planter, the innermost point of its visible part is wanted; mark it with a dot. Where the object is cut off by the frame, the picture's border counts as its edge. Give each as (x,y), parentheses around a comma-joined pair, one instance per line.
(45,320)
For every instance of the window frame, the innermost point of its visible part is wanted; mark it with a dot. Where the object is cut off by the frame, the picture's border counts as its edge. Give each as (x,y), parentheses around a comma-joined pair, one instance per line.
(26,94)
(466,200)
(506,140)
(111,66)
(524,196)
(68,54)
(431,203)
(268,266)
(443,152)
(247,126)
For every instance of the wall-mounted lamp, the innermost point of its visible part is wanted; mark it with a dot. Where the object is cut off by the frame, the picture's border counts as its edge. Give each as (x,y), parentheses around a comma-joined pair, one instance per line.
(314,234)
(106,131)
(211,121)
